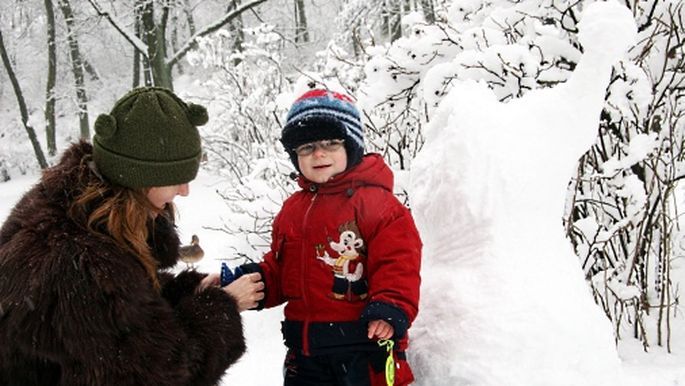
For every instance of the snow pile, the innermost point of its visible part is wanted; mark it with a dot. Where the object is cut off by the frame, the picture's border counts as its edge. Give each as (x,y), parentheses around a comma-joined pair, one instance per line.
(504,298)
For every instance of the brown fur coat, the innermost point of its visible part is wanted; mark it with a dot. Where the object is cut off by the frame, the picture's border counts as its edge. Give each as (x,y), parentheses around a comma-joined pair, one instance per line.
(77,310)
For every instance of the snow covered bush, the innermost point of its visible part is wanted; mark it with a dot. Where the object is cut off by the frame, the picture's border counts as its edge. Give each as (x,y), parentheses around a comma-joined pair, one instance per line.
(623,216)
(245,118)
(241,140)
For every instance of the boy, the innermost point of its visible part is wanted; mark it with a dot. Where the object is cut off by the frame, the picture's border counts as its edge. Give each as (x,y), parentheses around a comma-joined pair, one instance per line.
(345,254)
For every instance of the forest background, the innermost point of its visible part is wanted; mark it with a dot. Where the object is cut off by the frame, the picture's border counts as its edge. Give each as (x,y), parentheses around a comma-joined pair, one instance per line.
(65,61)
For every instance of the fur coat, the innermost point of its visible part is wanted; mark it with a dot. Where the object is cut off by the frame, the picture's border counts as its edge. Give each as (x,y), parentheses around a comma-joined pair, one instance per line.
(75,309)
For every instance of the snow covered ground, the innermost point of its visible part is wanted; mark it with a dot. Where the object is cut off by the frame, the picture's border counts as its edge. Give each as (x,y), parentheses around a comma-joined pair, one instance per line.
(261,365)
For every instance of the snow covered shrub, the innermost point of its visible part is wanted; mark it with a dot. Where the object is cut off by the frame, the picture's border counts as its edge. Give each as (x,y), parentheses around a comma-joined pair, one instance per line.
(241,139)
(512,46)
(624,216)
(252,204)
(16,155)
(245,118)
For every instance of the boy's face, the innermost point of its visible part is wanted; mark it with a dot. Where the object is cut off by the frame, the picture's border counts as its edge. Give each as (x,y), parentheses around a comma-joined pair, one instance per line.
(327,159)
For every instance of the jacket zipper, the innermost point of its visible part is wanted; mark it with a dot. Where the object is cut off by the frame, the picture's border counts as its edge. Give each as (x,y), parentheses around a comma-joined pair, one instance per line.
(303,262)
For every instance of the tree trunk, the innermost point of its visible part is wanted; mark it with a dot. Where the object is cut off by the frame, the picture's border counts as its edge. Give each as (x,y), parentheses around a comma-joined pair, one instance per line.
(301,31)
(396,20)
(174,39)
(154,40)
(235,27)
(140,59)
(136,55)
(4,174)
(156,47)
(428,11)
(90,69)
(391,22)
(50,86)
(77,69)
(385,18)
(189,15)
(210,28)
(22,106)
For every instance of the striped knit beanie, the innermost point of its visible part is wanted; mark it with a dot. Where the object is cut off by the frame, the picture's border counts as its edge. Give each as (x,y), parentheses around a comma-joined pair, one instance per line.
(321,114)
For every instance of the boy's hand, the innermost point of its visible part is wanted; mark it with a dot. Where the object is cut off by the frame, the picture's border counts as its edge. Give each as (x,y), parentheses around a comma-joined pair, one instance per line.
(380,329)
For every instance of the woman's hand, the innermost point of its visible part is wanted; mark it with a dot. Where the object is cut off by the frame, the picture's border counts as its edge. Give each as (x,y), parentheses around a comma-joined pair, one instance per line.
(211,280)
(380,329)
(247,290)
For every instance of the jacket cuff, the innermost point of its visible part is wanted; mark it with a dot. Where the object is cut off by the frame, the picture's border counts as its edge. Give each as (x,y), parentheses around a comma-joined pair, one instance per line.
(252,268)
(176,288)
(378,310)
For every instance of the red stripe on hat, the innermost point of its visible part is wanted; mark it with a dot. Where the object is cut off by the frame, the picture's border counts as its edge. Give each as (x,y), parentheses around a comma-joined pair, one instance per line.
(320,93)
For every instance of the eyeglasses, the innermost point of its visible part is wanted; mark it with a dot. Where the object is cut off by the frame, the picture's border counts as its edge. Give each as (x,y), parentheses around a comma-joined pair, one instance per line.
(328,145)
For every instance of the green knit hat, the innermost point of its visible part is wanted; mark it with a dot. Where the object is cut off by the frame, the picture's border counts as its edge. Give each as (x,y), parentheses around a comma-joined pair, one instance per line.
(149,139)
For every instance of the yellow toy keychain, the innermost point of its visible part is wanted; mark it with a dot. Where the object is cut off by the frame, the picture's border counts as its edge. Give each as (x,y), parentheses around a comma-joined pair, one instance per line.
(390,362)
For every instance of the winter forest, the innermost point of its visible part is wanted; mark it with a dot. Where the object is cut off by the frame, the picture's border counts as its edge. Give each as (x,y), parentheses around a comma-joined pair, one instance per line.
(561,123)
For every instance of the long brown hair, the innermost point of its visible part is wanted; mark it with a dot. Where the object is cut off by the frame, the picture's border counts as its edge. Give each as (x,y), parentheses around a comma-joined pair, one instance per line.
(119,213)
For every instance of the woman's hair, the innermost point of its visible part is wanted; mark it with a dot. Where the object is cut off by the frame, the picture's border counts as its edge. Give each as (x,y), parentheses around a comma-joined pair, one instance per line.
(120,213)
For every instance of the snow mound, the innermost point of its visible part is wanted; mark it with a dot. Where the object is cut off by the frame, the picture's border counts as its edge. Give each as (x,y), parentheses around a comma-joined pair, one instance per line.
(504,301)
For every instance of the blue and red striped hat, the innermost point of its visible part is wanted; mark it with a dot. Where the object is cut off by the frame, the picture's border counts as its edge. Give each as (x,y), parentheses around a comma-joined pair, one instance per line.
(321,114)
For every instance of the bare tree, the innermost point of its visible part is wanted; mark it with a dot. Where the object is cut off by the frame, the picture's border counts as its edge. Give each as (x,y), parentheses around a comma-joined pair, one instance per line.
(90,69)
(392,18)
(175,27)
(189,16)
(154,43)
(77,68)
(22,105)
(50,85)
(628,251)
(428,9)
(153,34)
(301,32)
(135,82)
(235,27)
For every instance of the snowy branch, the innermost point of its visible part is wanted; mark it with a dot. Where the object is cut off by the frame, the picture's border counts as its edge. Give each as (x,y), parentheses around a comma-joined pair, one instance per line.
(138,44)
(209,29)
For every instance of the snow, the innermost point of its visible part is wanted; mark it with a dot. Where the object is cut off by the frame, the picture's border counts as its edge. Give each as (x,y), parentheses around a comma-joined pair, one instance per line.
(504,300)
(261,365)
(638,149)
(499,276)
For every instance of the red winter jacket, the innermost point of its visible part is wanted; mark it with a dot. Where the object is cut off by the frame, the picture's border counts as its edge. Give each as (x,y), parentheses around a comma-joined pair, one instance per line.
(344,253)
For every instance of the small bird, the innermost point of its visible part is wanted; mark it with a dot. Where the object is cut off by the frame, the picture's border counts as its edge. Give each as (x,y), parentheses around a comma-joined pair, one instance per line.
(191,254)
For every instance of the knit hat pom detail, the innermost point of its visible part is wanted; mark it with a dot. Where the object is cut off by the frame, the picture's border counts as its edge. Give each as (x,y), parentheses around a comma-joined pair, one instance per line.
(105,126)
(197,114)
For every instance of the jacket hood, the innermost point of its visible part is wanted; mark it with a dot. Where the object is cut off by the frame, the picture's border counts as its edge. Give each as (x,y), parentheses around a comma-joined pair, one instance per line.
(371,171)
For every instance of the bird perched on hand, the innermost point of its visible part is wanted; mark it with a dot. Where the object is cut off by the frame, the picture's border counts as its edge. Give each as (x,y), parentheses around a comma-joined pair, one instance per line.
(191,254)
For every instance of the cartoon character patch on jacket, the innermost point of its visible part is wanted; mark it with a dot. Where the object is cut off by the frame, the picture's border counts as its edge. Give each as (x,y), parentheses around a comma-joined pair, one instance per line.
(347,267)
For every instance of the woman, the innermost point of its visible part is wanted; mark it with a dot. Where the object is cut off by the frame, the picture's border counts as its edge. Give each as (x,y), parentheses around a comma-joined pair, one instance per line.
(84,299)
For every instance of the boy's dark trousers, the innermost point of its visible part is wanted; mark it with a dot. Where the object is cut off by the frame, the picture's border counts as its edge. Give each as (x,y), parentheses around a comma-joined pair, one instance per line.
(338,369)
(341,355)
